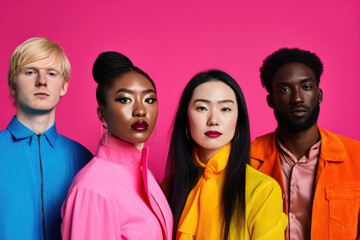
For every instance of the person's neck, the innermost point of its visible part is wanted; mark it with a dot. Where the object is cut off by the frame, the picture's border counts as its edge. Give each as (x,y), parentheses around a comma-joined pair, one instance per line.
(206,154)
(299,143)
(139,146)
(38,123)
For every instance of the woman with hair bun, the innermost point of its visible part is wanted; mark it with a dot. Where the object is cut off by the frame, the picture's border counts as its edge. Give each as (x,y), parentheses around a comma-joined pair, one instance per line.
(115,196)
(213,193)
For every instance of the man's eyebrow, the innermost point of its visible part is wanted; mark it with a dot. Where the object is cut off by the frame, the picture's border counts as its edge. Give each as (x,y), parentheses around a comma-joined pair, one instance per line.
(37,68)
(307,79)
(282,83)
(51,69)
(302,81)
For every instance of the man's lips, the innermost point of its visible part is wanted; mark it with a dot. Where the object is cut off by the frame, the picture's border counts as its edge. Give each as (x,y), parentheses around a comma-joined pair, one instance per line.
(41,94)
(213,134)
(299,111)
(140,126)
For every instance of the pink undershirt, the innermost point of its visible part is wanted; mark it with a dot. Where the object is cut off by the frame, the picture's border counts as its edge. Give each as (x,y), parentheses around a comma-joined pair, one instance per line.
(299,177)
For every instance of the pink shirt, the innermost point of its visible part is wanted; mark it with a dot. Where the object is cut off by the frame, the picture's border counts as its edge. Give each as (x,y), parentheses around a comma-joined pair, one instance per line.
(299,178)
(115,196)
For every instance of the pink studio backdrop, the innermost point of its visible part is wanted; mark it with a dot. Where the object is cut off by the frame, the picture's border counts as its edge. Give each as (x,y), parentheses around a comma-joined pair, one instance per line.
(173,40)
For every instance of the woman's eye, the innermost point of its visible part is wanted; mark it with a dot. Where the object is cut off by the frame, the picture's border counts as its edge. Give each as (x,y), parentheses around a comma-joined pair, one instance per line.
(201,108)
(226,109)
(123,100)
(150,100)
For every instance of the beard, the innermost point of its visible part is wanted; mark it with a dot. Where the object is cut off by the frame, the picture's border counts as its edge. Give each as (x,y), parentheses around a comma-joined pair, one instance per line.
(293,126)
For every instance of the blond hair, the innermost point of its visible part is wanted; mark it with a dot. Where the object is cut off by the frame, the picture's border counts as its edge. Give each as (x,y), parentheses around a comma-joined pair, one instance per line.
(35,49)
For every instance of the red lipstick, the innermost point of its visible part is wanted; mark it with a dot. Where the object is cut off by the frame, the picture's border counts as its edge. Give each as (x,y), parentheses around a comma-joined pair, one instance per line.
(140,126)
(213,134)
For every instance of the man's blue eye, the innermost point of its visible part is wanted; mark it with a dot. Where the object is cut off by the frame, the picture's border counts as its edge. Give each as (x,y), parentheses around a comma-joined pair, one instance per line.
(30,72)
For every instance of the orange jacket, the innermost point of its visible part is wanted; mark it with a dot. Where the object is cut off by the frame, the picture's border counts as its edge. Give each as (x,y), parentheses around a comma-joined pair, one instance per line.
(336,205)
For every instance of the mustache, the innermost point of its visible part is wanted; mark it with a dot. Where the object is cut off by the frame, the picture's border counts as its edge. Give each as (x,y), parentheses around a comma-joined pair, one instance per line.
(284,121)
(297,107)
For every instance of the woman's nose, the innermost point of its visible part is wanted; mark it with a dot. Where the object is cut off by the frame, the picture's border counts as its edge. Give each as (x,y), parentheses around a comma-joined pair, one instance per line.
(213,119)
(139,110)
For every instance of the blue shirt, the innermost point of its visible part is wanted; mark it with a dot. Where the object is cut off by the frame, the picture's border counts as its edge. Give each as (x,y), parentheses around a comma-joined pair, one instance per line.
(35,174)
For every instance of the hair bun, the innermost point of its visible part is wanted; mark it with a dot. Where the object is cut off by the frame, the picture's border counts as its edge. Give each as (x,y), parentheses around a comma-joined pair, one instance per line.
(108,63)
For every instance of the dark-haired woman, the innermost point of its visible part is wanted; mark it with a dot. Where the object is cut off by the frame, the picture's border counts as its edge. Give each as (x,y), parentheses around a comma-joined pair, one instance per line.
(115,196)
(212,191)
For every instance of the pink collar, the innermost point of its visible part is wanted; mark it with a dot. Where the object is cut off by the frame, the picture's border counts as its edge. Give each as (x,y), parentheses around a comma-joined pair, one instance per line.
(119,151)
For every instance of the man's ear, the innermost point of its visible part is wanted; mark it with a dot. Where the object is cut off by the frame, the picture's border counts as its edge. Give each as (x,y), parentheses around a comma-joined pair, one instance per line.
(64,88)
(12,88)
(321,95)
(101,114)
(270,101)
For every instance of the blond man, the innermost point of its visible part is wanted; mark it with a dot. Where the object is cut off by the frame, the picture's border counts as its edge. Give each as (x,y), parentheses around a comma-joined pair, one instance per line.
(37,164)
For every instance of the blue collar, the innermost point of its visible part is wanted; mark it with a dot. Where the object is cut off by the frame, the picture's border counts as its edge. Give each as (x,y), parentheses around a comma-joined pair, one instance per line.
(20,131)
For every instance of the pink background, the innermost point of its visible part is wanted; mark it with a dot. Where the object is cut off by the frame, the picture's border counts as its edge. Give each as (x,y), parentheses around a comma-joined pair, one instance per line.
(173,40)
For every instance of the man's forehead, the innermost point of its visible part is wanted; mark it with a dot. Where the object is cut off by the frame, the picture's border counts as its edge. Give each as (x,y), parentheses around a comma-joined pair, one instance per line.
(293,70)
(45,63)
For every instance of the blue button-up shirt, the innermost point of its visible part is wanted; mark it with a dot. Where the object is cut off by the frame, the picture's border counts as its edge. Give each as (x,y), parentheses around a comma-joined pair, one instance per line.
(35,174)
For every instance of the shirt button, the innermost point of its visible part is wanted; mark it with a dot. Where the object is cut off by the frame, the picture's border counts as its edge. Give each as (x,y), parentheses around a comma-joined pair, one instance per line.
(295,187)
(293,216)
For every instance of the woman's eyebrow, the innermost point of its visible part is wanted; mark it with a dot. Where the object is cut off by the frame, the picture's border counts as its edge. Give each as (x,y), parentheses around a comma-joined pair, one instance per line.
(208,101)
(124,90)
(130,91)
(149,91)
(201,100)
(226,101)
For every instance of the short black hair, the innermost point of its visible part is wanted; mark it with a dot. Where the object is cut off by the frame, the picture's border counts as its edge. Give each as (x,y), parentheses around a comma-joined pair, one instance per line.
(289,55)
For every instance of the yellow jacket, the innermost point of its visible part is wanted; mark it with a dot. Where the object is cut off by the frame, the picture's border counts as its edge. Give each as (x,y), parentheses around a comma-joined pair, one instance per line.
(264,217)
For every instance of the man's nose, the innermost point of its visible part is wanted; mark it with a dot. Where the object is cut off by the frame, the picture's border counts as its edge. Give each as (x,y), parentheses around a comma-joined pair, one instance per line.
(41,79)
(297,96)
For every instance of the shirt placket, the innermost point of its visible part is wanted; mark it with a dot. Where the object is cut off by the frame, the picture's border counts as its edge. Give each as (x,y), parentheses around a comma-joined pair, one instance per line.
(293,201)
(299,178)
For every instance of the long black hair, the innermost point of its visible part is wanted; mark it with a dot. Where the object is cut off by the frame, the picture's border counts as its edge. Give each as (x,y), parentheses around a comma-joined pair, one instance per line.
(181,168)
